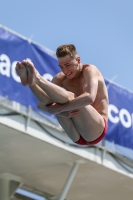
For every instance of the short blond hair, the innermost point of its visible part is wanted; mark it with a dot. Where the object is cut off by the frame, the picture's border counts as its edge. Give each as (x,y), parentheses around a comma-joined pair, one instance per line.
(66,49)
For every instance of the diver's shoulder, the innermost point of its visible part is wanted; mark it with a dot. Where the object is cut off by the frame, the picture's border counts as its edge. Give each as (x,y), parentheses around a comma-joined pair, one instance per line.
(90,68)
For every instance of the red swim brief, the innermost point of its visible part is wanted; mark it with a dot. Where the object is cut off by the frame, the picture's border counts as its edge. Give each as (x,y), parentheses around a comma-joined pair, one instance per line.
(82,141)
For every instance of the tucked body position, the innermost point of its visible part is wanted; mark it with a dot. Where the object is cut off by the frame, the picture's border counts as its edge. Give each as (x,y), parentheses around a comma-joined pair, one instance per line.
(77,95)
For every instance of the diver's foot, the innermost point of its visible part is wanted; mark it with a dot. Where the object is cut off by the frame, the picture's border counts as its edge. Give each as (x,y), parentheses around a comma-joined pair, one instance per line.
(33,74)
(22,72)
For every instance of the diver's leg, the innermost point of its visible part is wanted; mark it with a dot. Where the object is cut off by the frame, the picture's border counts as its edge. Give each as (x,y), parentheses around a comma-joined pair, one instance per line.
(54,92)
(69,128)
(88,123)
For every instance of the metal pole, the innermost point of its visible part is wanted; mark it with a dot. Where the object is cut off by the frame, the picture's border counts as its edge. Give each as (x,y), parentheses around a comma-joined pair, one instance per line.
(7,188)
(4,189)
(8,185)
(103,152)
(69,181)
(28,118)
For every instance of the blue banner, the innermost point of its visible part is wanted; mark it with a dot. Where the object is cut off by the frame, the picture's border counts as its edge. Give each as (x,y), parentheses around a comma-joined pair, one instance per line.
(120,113)
(15,48)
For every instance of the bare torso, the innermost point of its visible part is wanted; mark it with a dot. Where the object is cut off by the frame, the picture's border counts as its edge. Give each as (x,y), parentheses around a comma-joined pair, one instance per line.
(77,87)
(86,82)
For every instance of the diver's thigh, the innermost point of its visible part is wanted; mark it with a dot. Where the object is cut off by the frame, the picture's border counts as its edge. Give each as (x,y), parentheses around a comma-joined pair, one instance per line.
(89,123)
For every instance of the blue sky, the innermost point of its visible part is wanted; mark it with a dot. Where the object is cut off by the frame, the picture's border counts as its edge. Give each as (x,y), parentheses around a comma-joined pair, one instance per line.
(101,30)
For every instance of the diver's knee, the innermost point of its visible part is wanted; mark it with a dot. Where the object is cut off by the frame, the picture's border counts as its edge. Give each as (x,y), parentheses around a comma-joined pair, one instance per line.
(71,96)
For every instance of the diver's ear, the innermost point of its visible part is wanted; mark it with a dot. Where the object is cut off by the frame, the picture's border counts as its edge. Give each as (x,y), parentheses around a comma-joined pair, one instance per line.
(78,59)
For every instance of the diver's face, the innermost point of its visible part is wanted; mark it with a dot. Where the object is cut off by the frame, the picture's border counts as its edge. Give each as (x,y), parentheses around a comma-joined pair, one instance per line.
(69,66)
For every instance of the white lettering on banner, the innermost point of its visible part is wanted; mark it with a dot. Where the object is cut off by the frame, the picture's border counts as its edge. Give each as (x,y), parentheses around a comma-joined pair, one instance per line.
(124,112)
(13,72)
(121,115)
(5,65)
(8,69)
(132,120)
(112,108)
(48,77)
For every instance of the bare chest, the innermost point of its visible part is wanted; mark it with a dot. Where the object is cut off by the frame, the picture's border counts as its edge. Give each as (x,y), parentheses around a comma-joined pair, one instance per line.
(75,86)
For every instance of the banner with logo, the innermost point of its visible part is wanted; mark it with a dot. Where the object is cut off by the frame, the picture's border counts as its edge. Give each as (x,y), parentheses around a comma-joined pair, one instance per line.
(120,113)
(15,48)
